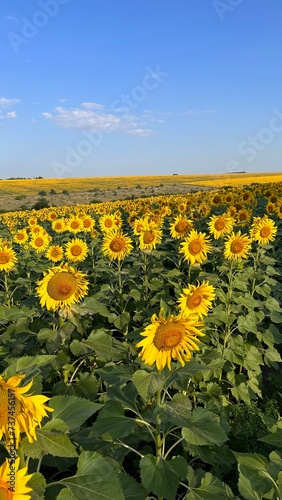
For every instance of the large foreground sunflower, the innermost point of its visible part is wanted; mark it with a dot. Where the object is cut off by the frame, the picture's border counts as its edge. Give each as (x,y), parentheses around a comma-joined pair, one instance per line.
(196,299)
(13,481)
(8,258)
(18,411)
(238,246)
(116,245)
(171,338)
(196,247)
(61,287)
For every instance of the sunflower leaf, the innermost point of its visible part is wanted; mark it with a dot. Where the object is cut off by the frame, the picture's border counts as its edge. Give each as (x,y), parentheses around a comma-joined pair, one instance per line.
(73,410)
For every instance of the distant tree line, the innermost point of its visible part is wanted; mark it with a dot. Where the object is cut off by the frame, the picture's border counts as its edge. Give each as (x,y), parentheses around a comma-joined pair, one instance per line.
(21,178)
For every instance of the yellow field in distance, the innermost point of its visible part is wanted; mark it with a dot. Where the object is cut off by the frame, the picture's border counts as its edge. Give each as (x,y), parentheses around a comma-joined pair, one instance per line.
(33,186)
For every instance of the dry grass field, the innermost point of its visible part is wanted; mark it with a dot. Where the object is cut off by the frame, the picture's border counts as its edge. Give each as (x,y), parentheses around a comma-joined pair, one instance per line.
(20,194)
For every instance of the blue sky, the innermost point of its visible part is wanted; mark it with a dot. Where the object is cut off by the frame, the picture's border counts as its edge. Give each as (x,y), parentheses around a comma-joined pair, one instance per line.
(140,87)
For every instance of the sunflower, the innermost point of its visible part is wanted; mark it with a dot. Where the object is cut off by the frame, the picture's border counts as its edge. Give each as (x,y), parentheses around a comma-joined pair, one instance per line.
(40,241)
(220,225)
(13,481)
(171,338)
(108,223)
(196,299)
(270,208)
(58,225)
(55,253)
(264,231)
(116,245)
(8,258)
(19,410)
(88,223)
(243,216)
(150,237)
(196,247)
(21,236)
(138,225)
(238,246)
(74,224)
(76,250)
(180,227)
(61,287)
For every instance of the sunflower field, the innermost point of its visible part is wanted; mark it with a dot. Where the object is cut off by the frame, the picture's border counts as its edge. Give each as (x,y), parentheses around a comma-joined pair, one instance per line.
(140,348)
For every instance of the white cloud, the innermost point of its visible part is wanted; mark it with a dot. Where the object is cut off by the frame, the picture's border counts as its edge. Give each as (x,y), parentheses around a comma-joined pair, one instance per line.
(92,105)
(194,112)
(5,105)
(13,18)
(81,119)
(141,132)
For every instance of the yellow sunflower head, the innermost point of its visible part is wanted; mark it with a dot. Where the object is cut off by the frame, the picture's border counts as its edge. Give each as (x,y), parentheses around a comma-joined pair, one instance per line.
(40,241)
(21,237)
(196,247)
(55,253)
(108,223)
(13,481)
(149,237)
(196,299)
(8,258)
(76,250)
(61,287)
(264,231)
(181,227)
(237,247)
(58,225)
(25,411)
(75,224)
(172,338)
(220,225)
(116,245)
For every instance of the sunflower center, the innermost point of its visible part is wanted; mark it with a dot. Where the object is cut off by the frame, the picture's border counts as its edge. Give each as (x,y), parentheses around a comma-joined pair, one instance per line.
(167,337)
(76,250)
(5,493)
(55,252)
(8,403)
(39,242)
(219,225)
(148,237)
(195,247)
(265,232)
(236,247)
(116,245)
(87,223)
(20,236)
(181,226)
(74,224)
(62,286)
(4,258)
(108,223)
(58,225)
(194,300)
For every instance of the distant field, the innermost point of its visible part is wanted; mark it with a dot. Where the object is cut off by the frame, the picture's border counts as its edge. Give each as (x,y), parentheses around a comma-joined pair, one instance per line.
(33,186)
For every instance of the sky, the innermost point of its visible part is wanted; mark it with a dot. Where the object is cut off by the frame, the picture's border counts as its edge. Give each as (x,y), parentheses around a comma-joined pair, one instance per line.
(140,87)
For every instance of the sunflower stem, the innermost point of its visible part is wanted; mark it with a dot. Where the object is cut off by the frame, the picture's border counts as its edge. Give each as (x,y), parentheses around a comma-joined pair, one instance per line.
(20,454)
(158,432)
(6,285)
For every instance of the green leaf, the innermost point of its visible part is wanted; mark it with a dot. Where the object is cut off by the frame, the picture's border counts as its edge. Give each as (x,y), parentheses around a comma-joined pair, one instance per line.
(98,341)
(159,477)
(27,363)
(147,384)
(177,411)
(49,443)
(38,484)
(73,410)
(116,375)
(204,428)
(96,479)
(211,488)
(112,420)
(272,304)
(254,480)
(131,489)
(275,439)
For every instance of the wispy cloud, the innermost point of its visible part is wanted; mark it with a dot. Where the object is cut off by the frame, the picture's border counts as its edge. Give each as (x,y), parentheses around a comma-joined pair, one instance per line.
(13,19)
(5,105)
(92,116)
